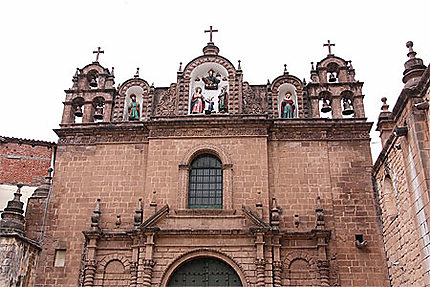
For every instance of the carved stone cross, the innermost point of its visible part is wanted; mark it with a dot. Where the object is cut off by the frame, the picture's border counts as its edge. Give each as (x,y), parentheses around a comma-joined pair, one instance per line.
(98,52)
(329,45)
(210,31)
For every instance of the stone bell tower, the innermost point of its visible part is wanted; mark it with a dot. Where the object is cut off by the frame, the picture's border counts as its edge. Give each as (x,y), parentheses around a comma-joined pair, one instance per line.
(91,95)
(333,88)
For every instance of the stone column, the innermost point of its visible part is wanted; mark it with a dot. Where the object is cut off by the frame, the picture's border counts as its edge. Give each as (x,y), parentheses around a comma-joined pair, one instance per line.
(148,262)
(107,111)
(336,107)
(90,261)
(88,116)
(259,261)
(67,113)
(277,264)
(323,270)
(90,271)
(358,106)
(315,107)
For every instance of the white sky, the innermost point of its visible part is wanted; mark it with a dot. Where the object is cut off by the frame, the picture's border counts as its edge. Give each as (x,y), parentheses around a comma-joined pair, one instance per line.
(43,42)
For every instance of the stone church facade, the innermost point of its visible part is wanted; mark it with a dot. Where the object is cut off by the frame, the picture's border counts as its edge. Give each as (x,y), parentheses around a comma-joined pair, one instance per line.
(212,181)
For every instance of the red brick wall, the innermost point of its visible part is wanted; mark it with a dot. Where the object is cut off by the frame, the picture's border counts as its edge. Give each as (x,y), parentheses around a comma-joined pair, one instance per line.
(24,162)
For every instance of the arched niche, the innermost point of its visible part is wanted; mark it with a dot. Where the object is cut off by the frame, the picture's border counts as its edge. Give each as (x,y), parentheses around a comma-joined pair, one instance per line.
(283,90)
(138,92)
(347,99)
(325,104)
(203,77)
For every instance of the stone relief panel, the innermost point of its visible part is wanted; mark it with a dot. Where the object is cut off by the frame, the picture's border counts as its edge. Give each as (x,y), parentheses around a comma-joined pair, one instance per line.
(209,89)
(167,102)
(254,101)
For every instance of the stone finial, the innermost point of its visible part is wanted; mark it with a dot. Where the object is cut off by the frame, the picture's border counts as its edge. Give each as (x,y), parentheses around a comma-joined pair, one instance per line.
(411,53)
(312,66)
(384,104)
(138,214)
(95,218)
(12,218)
(320,215)
(238,65)
(350,65)
(414,68)
(285,69)
(304,82)
(180,67)
(137,73)
(112,73)
(43,189)
(274,214)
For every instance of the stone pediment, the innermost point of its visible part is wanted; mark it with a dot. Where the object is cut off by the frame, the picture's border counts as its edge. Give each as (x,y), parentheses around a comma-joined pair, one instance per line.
(200,220)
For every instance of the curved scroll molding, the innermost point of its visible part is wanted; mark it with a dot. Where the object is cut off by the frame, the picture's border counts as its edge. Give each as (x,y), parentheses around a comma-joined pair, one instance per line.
(203,253)
(108,258)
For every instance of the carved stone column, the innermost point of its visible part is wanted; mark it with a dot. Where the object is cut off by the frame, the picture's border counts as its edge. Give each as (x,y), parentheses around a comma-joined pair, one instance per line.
(260,272)
(90,271)
(259,261)
(133,273)
(277,264)
(148,266)
(228,183)
(277,272)
(323,270)
(148,262)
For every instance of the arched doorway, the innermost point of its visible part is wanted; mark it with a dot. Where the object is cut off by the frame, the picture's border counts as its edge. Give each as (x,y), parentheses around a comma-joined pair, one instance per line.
(204,271)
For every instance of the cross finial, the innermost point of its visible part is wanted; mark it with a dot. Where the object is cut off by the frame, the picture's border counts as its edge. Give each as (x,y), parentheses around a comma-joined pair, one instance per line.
(285,69)
(210,31)
(329,45)
(98,52)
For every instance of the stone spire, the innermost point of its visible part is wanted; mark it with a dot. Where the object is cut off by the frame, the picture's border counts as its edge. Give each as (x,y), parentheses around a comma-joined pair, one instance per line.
(12,218)
(385,122)
(414,67)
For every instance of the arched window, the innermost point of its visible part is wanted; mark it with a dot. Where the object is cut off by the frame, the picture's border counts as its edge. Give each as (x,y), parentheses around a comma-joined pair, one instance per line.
(205,183)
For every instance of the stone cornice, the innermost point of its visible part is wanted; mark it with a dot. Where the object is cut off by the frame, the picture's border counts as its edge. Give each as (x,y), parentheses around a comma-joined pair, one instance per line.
(220,126)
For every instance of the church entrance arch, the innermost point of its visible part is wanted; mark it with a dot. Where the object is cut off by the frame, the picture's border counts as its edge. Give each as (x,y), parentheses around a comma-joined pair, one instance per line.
(204,271)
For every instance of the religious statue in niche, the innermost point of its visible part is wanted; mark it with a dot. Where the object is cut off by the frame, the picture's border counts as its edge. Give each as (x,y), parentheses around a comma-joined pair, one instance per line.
(197,102)
(133,109)
(223,100)
(211,80)
(287,107)
(210,101)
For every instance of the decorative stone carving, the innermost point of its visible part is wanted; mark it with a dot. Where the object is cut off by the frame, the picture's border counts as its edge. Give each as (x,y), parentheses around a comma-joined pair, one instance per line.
(254,102)
(167,103)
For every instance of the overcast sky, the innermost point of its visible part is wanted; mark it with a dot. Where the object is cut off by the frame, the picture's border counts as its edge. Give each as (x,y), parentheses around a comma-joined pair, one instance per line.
(43,42)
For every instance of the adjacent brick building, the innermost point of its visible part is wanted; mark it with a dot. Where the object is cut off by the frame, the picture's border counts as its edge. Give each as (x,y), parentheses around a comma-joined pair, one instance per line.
(211,182)
(402,177)
(25,161)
